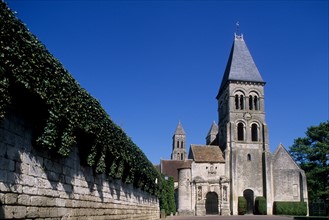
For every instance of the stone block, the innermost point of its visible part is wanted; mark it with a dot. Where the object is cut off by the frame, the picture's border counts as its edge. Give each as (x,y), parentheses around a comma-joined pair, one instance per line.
(32,212)
(36,170)
(19,212)
(23,200)
(39,200)
(8,211)
(7,165)
(59,202)
(28,180)
(10,198)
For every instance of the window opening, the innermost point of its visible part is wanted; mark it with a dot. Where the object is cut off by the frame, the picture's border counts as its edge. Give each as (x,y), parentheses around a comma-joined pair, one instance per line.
(250,102)
(249,157)
(240,132)
(254,132)
(256,102)
(236,101)
(241,102)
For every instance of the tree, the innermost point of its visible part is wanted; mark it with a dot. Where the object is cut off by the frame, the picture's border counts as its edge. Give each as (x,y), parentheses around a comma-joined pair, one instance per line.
(312,154)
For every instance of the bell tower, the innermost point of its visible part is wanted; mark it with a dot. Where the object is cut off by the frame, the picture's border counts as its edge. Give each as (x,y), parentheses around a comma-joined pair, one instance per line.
(243,135)
(179,144)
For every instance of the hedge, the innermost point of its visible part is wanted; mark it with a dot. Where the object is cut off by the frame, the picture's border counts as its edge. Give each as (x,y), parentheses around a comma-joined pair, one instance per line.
(290,208)
(242,205)
(71,115)
(260,205)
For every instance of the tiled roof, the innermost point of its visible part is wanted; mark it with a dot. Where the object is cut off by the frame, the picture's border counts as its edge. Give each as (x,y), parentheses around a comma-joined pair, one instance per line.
(170,167)
(206,153)
(240,65)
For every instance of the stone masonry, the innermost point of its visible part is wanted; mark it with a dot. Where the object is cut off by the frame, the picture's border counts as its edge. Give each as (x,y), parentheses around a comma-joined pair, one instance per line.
(35,184)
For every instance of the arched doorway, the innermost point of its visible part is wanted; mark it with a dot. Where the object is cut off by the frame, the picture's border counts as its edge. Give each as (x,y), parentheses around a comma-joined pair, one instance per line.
(211,203)
(248,194)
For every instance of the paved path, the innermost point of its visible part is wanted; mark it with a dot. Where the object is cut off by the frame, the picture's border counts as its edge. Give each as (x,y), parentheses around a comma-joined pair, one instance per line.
(235,217)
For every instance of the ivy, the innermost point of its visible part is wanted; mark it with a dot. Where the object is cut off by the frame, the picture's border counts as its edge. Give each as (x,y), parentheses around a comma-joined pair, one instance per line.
(72,112)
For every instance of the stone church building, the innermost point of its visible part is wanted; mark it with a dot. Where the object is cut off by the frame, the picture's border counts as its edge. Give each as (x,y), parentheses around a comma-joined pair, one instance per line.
(236,160)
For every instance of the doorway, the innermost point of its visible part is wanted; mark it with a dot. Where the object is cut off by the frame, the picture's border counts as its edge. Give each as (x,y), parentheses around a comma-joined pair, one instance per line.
(248,194)
(212,203)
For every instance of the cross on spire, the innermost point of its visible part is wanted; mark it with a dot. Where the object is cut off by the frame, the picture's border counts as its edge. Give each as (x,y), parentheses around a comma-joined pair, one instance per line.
(237,30)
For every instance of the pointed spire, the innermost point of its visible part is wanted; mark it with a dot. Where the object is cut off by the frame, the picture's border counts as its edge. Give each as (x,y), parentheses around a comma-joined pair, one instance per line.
(213,129)
(212,134)
(179,129)
(240,65)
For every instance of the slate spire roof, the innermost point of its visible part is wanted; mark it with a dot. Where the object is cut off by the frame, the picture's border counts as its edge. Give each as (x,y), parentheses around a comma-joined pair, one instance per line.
(240,65)
(213,129)
(179,129)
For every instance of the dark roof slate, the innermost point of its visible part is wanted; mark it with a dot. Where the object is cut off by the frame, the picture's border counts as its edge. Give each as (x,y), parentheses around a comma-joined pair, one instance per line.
(206,153)
(240,65)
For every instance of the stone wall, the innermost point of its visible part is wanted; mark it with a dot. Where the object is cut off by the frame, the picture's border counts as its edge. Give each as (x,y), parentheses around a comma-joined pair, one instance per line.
(36,184)
(289,179)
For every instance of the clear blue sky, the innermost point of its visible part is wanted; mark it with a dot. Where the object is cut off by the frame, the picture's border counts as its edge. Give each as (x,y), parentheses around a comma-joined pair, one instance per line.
(153,63)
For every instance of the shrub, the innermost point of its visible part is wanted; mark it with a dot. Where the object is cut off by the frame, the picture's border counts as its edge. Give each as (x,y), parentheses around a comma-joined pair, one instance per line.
(171,195)
(290,208)
(260,205)
(242,205)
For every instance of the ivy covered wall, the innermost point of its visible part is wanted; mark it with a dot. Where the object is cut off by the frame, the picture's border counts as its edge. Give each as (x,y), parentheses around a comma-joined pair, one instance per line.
(64,113)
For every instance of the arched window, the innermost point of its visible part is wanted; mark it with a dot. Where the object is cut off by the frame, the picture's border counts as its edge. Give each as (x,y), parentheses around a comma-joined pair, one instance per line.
(249,157)
(254,132)
(256,103)
(241,102)
(240,132)
(182,156)
(177,146)
(182,144)
(177,156)
(250,102)
(236,101)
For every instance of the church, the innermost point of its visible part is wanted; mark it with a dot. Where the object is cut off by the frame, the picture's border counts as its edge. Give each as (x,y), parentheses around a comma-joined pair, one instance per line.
(235,160)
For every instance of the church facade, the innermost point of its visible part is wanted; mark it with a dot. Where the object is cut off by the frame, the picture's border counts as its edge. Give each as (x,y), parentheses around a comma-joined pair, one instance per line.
(236,160)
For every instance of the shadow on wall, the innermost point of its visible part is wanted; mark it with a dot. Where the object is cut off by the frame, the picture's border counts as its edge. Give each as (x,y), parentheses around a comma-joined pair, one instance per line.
(39,168)
(2,215)
(21,161)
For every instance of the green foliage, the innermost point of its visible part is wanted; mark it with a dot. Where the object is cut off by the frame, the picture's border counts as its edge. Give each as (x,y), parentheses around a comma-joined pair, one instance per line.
(290,208)
(72,114)
(242,205)
(167,195)
(260,205)
(311,153)
(163,198)
(171,195)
